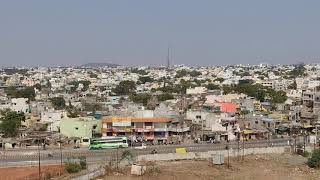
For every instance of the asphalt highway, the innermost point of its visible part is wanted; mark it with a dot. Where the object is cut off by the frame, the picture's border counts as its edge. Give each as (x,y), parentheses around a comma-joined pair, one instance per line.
(28,157)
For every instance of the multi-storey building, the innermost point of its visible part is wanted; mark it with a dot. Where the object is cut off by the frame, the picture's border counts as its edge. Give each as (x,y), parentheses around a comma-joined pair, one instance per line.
(146,128)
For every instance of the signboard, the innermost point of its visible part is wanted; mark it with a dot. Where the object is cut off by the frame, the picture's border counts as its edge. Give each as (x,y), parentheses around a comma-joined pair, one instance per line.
(121,122)
(181,151)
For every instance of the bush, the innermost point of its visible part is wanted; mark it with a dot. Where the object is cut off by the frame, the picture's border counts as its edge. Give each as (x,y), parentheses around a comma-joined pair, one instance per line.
(73,167)
(83,162)
(126,155)
(306,154)
(314,161)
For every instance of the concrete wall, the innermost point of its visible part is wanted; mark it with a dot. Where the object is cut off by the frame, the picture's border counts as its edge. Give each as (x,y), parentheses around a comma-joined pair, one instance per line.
(209,154)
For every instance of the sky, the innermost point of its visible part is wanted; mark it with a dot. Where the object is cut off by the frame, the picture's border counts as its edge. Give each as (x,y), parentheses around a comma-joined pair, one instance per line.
(139,32)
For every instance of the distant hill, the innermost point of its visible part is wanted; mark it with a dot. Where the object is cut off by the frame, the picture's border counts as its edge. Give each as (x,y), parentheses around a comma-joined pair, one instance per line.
(96,65)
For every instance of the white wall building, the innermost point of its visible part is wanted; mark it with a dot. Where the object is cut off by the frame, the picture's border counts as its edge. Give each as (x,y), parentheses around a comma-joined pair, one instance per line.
(197,90)
(53,118)
(19,105)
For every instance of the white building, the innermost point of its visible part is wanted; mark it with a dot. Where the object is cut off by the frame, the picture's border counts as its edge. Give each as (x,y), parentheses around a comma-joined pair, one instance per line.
(53,118)
(19,105)
(197,90)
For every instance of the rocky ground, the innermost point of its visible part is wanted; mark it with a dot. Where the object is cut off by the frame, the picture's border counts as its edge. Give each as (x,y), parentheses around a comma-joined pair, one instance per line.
(255,167)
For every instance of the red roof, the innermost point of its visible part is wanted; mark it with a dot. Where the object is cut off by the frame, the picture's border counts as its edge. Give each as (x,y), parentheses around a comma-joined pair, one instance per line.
(228,107)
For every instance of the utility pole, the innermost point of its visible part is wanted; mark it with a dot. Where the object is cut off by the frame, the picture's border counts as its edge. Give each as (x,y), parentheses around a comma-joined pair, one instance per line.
(316,140)
(201,121)
(304,141)
(242,147)
(117,159)
(60,157)
(228,155)
(39,165)
(238,148)
(295,142)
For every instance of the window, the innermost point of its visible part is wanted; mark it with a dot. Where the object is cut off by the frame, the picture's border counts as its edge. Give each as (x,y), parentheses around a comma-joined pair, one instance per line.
(109,133)
(148,123)
(85,140)
(109,125)
(139,125)
(198,117)
(256,122)
(94,126)
(76,128)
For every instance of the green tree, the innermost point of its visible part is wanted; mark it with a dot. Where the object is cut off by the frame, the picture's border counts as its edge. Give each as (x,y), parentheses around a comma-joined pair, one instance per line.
(73,112)
(298,71)
(293,85)
(139,71)
(277,96)
(58,102)
(181,73)
(211,86)
(314,161)
(10,123)
(140,98)
(194,73)
(38,86)
(125,88)
(145,79)
(27,92)
(92,107)
(165,96)
(219,79)
(93,75)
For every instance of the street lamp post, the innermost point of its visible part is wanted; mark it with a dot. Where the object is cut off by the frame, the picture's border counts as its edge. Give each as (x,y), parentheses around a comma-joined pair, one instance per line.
(60,145)
(39,164)
(316,140)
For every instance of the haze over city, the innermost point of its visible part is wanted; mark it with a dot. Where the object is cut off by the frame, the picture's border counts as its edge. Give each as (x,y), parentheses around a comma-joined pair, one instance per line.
(170,89)
(203,33)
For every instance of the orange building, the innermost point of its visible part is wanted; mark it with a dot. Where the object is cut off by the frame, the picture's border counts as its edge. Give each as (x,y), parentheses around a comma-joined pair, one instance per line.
(139,128)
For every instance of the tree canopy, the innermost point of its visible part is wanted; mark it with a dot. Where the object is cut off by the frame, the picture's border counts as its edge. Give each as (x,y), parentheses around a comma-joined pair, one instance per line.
(10,123)
(257,91)
(165,96)
(125,88)
(139,71)
(76,85)
(145,79)
(183,73)
(211,86)
(27,92)
(140,98)
(58,102)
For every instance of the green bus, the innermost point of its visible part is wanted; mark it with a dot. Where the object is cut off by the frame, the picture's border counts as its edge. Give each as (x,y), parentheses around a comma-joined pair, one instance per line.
(109,143)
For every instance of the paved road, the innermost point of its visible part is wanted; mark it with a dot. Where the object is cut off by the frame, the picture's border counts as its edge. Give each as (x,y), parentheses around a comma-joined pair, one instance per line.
(53,156)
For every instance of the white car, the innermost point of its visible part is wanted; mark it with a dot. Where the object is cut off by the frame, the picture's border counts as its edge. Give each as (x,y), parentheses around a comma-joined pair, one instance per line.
(143,146)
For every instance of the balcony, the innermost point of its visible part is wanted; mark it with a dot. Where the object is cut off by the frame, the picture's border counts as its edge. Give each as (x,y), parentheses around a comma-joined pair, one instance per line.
(148,127)
(179,129)
(143,130)
(161,129)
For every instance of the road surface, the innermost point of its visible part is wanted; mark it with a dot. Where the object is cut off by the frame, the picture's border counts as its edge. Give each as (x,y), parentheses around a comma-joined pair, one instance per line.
(27,157)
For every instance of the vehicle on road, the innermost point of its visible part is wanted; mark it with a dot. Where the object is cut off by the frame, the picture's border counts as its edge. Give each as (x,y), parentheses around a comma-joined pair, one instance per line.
(143,146)
(109,143)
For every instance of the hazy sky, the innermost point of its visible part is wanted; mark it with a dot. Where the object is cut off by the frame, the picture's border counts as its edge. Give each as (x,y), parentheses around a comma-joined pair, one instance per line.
(138,32)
